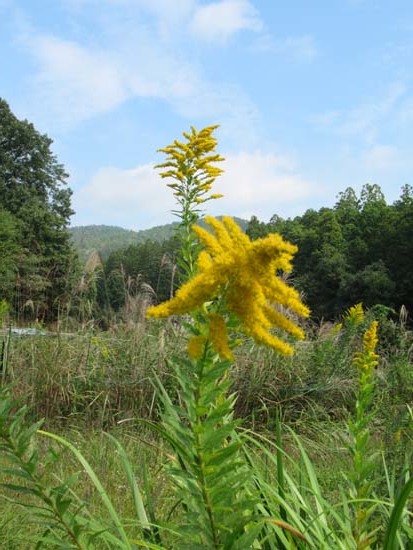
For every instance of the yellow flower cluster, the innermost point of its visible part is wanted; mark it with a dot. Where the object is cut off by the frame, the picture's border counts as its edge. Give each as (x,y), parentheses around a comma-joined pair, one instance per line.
(355,314)
(245,272)
(192,165)
(370,338)
(367,359)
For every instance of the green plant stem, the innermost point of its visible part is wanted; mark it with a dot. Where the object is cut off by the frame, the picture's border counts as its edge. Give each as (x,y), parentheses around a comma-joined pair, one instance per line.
(200,460)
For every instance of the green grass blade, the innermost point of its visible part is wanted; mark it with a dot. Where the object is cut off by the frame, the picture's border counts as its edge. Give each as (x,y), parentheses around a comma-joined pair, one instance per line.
(136,494)
(280,466)
(395,518)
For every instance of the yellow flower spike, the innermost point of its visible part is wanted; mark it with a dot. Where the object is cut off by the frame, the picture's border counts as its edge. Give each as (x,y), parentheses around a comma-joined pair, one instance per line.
(277,319)
(222,237)
(209,241)
(204,261)
(370,338)
(235,232)
(367,359)
(336,329)
(246,271)
(192,164)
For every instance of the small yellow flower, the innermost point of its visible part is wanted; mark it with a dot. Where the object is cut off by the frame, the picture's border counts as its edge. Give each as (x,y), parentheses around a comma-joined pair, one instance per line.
(245,272)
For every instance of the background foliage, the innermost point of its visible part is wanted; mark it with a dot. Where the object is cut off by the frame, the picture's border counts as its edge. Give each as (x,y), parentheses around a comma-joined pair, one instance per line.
(359,250)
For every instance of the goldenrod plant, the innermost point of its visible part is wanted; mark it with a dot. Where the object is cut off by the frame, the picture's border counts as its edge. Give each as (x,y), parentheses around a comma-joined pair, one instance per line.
(364,460)
(233,286)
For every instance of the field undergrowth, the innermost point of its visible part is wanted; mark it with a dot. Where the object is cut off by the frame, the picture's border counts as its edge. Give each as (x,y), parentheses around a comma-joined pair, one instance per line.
(87,383)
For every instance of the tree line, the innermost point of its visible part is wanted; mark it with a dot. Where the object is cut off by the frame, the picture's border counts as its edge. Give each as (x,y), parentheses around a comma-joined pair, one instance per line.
(361,250)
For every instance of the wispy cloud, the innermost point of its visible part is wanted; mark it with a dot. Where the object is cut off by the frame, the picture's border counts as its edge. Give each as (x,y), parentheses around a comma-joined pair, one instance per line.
(252,183)
(218,21)
(74,81)
(363,122)
(381,157)
(300,48)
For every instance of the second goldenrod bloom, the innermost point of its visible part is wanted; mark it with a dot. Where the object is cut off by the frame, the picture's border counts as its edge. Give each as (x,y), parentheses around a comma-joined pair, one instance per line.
(192,164)
(244,272)
(367,359)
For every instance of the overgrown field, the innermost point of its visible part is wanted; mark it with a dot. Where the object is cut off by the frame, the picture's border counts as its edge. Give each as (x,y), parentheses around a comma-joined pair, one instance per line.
(88,384)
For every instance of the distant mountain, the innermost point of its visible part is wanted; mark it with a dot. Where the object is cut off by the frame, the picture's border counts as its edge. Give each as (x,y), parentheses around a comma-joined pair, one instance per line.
(107,238)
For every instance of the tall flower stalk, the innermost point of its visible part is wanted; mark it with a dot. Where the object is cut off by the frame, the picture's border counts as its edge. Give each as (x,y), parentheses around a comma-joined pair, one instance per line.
(232,285)
(364,461)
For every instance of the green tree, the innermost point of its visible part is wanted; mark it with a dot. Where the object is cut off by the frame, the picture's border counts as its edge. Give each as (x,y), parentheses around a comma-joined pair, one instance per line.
(33,192)
(257,229)
(359,251)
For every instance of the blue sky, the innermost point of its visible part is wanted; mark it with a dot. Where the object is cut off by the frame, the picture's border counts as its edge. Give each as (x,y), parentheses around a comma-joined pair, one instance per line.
(311,97)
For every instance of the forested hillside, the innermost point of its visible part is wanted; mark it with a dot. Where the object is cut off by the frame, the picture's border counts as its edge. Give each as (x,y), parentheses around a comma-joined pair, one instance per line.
(361,250)
(106,238)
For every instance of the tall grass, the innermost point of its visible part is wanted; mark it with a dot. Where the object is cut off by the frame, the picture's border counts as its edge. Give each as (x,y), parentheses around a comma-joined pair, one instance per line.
(62,379)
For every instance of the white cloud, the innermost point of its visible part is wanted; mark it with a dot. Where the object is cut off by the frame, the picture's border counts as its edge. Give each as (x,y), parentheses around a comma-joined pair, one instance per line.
(85,81)
(136,198)
(171,17)
(218,21)
(297,48)
(253,183)
(381,157)
(74,81)
(364,122)
(261,184)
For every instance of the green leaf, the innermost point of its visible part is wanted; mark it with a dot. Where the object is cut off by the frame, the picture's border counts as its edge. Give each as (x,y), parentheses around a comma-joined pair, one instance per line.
(390,538)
